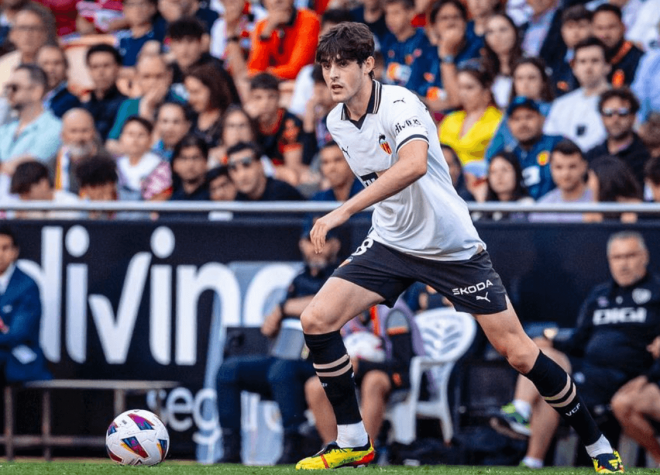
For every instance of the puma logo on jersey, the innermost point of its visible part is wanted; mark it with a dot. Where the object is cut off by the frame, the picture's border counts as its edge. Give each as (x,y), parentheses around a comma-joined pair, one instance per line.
(485,297)
(473,289)
(345,150)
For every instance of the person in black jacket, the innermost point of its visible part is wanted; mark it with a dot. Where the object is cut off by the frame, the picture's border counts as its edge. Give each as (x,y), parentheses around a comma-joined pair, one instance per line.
(618,320)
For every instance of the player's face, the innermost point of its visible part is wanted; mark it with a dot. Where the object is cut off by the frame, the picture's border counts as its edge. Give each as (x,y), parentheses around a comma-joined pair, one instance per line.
(8,253)
(608,28)
(334,167)
(628,261)
(618,118)
(568,171)
(501,176)
(525,124)
(346,78)
(528,82)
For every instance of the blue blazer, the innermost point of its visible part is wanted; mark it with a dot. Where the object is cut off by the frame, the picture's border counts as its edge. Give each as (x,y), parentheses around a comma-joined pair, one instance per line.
(20,309)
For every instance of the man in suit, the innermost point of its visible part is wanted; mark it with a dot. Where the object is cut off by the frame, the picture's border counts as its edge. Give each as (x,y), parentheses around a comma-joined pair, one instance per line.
(21,358)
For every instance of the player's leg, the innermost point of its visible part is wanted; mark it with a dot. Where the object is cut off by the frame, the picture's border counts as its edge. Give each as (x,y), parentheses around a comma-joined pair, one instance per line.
(504,331)
(633,405)
(374,391)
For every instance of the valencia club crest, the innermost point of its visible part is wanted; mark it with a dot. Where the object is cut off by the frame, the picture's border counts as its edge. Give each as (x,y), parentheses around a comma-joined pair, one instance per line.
(382,141)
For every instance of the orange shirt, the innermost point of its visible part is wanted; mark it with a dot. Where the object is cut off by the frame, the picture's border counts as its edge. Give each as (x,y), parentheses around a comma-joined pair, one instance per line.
(288,49)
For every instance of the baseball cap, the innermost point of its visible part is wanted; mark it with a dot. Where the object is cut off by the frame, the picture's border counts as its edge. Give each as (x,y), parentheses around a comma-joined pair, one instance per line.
(522,101)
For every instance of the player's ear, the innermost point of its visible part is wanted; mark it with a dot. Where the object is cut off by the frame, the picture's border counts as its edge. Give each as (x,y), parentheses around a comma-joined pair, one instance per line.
(369,64)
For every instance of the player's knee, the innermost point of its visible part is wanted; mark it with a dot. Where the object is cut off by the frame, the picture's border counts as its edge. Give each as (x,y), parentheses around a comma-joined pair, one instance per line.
(520,356)
(314,321)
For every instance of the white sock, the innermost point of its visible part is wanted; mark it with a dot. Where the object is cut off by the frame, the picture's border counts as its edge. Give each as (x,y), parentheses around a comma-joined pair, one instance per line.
(531,462)
(523,408)
(352,435)
(601,446)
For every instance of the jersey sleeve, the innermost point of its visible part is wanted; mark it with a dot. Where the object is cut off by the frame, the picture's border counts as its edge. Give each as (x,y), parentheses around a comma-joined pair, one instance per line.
(404,119)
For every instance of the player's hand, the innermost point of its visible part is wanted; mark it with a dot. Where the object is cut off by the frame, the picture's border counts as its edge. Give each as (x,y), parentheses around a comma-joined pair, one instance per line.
(323,225)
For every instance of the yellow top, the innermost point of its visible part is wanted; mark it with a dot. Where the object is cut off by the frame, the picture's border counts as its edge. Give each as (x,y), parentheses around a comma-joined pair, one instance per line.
(471,146)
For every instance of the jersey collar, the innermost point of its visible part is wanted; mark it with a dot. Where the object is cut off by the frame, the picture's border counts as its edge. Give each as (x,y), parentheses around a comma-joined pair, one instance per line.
(372,106)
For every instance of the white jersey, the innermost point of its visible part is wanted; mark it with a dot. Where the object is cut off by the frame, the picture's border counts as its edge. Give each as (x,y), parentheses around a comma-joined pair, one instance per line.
(426,219)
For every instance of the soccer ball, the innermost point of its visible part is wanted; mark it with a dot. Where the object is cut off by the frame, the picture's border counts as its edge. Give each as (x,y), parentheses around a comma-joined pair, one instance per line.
(365,346)
(137,437)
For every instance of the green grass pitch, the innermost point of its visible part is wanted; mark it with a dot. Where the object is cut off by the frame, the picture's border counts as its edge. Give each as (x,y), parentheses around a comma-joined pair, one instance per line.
(174,468)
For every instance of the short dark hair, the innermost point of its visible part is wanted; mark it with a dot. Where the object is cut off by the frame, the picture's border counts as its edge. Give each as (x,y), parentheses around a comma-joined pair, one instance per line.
(437,6)
(567,147)
(186,27)
(190,140)
(47,19)
(476,69)
(37,75)
(350,41)
(216,172)
(5,230)
(187,112)
(576,13)
(609,8)
(96,171)
(336,16)
(329,144)
(589,42)
(210,77)
(59,49)
(27,174)
(104,48)
(140,120)
(622,93)
(235,108)
(407,4)
(615,179)
(240,146)
(652,170)
(265,81)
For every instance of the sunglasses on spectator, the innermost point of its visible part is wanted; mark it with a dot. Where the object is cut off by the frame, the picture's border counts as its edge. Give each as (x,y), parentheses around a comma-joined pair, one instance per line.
(245,162)
(611,112)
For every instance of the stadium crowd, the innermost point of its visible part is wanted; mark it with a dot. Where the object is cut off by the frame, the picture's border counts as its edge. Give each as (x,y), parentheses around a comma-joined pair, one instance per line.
(551,101)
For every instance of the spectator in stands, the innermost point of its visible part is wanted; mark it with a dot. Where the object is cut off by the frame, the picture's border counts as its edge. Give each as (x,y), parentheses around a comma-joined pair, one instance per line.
(622,54)
(284,41)
(9,10)
(504,184)
(646,85)
(618,107)
(35,133)
(31,182)
(652,178)
(172,124)
(98,178)
(455,45)
(237,126)
(480,12)
(575,27)
(231,33)
(221,188)
(58,98)
(530,80)
(80,141)
(405,48)
(456,172)
(372,14)
(34,26)
(153,78)
(588,352)
(103,63)
(247,173)
(142,174)
(470,130)
(637,406)
(189,166)
(65,13)
(22,357)
(611,181)
(209,97)
(315,132)
(649,132)
(140,32)
(188,47)
(338,176)
(174,10)
(279,130)
(569,169)
(642,23)
(542,32)
(501,53)
(274,375)
(575,115)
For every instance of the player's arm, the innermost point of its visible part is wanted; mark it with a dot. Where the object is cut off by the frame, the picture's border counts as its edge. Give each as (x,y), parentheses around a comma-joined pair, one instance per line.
(410,167)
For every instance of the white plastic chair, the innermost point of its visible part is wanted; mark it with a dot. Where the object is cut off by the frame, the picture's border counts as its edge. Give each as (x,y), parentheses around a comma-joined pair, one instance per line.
(447,335)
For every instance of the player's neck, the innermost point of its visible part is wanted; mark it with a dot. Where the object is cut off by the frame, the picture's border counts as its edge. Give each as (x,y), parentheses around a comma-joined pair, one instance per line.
(357,105)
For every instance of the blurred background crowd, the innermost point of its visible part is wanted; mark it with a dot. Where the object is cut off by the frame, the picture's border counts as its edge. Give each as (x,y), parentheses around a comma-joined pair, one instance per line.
(551,101)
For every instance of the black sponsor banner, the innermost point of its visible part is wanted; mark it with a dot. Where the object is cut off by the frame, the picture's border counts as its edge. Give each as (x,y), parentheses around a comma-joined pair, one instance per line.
(134,300)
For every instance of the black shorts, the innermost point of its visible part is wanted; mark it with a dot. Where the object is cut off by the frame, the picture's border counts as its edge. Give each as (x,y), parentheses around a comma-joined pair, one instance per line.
(472,285)
(596,385)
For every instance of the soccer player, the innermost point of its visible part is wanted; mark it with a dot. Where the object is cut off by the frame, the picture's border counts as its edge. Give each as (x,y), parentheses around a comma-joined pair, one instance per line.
(421,231)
